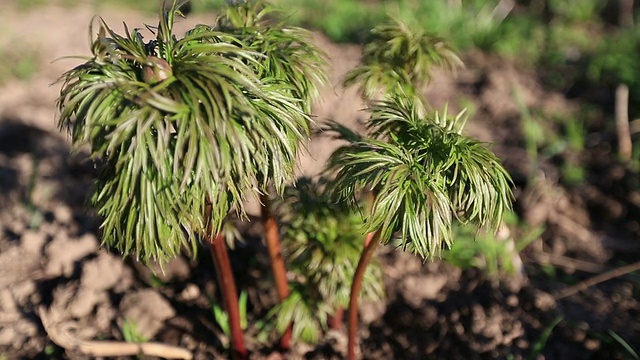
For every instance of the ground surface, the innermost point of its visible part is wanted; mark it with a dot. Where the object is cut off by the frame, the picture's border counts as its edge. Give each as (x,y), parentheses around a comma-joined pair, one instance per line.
(53,271)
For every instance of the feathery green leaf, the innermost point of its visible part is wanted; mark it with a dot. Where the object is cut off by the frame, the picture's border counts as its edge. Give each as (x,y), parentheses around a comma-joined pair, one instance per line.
(424,174)
(179,123)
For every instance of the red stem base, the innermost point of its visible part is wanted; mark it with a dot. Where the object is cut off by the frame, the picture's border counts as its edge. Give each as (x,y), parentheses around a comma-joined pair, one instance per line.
(229,293)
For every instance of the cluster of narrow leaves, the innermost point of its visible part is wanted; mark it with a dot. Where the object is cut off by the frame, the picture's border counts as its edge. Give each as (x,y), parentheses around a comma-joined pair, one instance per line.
(396,55)
(305,309)
(322,240)
(178,124)
(290,63)
(291,58)
(424,173)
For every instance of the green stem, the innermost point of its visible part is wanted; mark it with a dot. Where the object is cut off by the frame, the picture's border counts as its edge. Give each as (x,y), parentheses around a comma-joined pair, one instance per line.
(356,286)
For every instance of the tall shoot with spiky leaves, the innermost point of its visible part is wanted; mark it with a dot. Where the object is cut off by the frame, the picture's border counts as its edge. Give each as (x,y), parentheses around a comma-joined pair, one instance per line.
(293,65)
(423,171)
(182,131)
(396,57)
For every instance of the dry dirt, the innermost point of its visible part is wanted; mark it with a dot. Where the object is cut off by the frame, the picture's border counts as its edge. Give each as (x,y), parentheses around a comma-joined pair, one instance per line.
(56,282)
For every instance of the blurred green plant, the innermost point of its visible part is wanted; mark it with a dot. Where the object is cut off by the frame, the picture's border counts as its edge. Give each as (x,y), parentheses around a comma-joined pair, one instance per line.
(37,216)
(576,10)
(342,21)
(539,345)
(521,39)
(634,164)
(572,143)
(396,55)
(52,352)
(614,62)
(28,4)
(532,132)
(558,137)
(492,255)
(131,333)
(222,317)
(148,7)
(20,64)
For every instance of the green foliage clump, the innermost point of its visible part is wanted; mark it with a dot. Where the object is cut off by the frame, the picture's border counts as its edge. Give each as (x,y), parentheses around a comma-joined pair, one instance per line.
(290,60)
(520,38)
(421,169)
(322,240)
(181,126)
(396,55)
(615,61)
(424,173)
(222,317)
(576,10)
(342,21)
(492,255)
(304,310)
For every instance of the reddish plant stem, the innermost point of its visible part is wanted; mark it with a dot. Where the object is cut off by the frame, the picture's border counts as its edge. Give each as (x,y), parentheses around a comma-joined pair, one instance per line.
(335,320)
(367,254)
(367,240)
(228,290)
(272,240)
(229,294)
